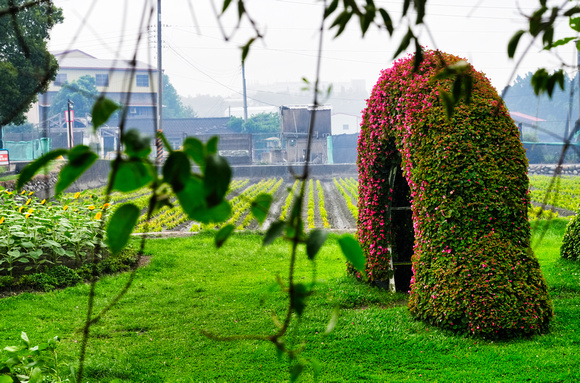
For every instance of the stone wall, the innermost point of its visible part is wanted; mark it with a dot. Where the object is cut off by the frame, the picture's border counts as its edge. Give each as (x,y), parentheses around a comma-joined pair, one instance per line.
(543,169)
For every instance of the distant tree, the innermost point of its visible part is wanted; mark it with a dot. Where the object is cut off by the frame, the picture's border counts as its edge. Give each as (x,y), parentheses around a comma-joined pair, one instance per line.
(207,105)
(260,123)
(82,92)
(26,66)
(174,107)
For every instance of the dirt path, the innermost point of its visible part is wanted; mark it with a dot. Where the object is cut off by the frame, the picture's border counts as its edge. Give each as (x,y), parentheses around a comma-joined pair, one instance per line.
(339,216)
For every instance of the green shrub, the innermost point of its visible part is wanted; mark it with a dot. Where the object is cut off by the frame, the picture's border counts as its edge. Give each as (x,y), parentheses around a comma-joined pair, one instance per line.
(43,282)
(468,190)
(64,276)
(571,242)
(6,281)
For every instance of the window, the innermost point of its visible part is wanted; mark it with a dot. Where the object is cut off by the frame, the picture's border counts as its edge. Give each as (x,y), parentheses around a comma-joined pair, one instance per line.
(143,80)
(102,80)
(60,79)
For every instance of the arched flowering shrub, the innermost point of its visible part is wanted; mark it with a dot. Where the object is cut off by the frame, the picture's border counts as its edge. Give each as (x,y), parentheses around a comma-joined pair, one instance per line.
(473,269)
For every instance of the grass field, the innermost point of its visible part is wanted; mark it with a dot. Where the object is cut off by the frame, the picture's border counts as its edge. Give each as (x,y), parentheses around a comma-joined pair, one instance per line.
(153,335)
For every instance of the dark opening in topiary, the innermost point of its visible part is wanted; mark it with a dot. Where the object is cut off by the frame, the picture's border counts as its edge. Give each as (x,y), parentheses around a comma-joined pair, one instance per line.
(473,269)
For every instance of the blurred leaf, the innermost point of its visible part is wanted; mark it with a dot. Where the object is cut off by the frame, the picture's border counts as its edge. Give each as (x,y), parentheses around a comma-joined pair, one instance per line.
(315,240)
(341,21)
(575,23)
(448,103)
(223,234)
(212,146)
(295,371)
(195,149)
(226,5)
(246,49)
(103,109)
(420,7)
(299,301)
(131,175)
(176,170)
(387,21)
(418,59)
(191,197)
(406,5)
(513,43)
(24,337)
(32,168)
(5,379)
(218,175)
(404,43)
(274,231)
(121,226)
(241,9)
(572,11)
(260,206)
(352,252)
(36,375)
(216,214)
(560,42)
(80,158)
(136,144)
(331,8)
(333,320)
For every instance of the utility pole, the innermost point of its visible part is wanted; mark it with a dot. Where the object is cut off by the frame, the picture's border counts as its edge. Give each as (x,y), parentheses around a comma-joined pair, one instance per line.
(159,85)
(245,96)
(70,118)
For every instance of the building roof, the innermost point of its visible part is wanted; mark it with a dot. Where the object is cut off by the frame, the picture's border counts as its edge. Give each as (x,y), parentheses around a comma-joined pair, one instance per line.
(77,59)
(183,126)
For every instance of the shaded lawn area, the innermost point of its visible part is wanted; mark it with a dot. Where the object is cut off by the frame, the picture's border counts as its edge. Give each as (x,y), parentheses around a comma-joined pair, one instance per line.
(153,335)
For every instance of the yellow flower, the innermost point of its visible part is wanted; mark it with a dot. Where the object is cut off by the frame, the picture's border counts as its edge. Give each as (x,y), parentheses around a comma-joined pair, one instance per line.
(9,193)
(106,206)
(91,207)
(31,193)
(28,202)
(65,207)
(27,215)
(2,220)
(98,216)
(23,191)
(30,210)
(20,210)
(43,202)
(76,210)
(77,194)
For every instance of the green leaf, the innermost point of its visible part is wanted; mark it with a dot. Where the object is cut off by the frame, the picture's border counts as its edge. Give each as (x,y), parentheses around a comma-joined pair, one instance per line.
(295,371)
(420,7)
(387,21)
(32,168)
(299,301)
(216,181)
(223,234)
(103,109)
(226,5)
(572,11)
(121,226)
(5,379)
(196,150)
(132,174)
(341,21)
(260,206)
(275,230)
(191,198)
(418,56)
(333,320)
(36,375)
(176,170)
(136,144)
(513,43)
(80,158)
(404,42)
(352,252)
(24,337)
(246,49)
(331,8)
(212,146)
(314,242)
(560,42)
(575,23)
(448,103)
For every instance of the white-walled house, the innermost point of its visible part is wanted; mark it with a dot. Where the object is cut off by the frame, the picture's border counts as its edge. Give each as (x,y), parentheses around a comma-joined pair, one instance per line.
(345,124)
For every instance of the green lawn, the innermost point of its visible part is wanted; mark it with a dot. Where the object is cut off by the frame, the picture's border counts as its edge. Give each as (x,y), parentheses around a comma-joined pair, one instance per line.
(153,335)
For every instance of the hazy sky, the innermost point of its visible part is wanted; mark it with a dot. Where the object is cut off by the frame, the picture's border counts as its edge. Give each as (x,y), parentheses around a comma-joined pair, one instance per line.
(199,61)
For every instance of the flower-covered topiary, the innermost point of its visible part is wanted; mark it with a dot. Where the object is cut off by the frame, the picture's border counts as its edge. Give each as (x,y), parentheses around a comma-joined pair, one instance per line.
(473,268)
(570,248)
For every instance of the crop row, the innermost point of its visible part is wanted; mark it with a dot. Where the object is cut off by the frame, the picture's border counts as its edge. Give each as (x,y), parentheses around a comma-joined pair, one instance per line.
(347,198)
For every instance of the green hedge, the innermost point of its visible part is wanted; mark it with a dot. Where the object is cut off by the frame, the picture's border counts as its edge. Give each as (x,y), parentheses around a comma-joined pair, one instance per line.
(571,242)
(473,269)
